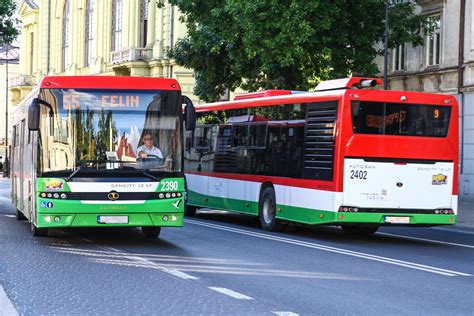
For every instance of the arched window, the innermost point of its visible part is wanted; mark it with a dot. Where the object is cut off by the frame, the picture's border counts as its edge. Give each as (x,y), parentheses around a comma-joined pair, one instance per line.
(89,32)
(65,43)
(116,25)
(143,22)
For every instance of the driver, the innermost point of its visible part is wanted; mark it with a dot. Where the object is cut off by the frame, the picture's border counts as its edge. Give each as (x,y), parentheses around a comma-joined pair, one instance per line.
(148,148)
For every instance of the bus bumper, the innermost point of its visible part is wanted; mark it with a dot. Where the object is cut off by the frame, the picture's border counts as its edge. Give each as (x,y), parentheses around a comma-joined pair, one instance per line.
(63,213)
(387,219)
(165,219)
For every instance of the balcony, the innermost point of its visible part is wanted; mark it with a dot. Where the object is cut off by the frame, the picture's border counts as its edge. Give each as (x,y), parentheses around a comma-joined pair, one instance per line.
(130,54)
(20,81)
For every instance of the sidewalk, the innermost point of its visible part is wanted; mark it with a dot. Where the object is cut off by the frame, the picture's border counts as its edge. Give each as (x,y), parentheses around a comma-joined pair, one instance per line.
(466,214)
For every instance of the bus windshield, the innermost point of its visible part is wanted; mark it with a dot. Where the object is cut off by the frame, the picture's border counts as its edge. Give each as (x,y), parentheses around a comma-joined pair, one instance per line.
(114,131)
(400,119)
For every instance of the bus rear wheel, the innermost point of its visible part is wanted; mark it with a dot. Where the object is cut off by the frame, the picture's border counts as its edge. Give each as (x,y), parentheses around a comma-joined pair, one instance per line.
(267,211)
(151,232)
(20,216)
(38,232)
(359,230)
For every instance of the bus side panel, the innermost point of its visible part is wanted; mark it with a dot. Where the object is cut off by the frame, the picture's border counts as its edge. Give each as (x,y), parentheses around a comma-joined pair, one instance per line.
(197,189)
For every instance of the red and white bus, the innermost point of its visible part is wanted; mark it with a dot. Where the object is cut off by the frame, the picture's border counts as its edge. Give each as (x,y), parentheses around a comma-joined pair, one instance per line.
(342,155)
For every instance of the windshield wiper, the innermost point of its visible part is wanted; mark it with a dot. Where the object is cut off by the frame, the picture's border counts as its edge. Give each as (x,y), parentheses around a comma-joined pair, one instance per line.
(80,167)
(149,176)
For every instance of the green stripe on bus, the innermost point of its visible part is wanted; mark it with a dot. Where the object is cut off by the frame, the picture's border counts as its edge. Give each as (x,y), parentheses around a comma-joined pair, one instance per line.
(415,219)
(314,216)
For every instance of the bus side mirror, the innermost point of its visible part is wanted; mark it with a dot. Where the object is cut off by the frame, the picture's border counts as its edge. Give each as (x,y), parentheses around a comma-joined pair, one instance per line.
(34,115)
(189,114)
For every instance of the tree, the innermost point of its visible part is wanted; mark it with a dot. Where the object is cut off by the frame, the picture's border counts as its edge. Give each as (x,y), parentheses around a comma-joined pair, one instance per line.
(255,44)
(8,30)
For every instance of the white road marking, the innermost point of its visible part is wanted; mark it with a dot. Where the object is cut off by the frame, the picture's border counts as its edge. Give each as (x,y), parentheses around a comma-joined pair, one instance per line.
(149,263)
(428,240)
(285,313)
(367,256)
(453,230)
(11,216)
(231,293)
(6,306)
(180,274)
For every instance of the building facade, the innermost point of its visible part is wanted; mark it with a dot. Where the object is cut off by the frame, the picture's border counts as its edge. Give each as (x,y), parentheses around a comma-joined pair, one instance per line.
(444,64)
(98,37)
(9,68)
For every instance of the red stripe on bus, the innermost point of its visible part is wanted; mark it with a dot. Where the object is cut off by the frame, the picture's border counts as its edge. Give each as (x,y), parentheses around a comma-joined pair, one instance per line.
(293,182)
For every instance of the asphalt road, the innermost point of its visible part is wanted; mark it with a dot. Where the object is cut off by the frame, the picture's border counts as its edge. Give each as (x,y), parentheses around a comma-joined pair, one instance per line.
(222,263)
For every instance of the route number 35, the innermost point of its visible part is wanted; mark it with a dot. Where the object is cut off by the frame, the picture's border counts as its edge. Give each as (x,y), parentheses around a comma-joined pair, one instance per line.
(359,174)
(169,186)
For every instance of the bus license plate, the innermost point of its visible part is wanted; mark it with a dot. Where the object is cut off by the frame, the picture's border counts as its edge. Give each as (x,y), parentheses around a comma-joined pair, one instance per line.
(397,219)
(112,219)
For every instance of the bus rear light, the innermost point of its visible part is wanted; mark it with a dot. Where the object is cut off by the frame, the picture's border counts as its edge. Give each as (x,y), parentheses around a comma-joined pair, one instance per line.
(178,194)
(47,219)
(57,219)
(174,218)
(56,195)
(451,220)
(63,195)
(50,195)
(321,215)
(444,211)
(43,195)
(165,218)
(348,209)
(341,217)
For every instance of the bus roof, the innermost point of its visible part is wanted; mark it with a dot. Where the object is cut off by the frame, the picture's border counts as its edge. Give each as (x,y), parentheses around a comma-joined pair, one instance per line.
(330,95)
(109,82)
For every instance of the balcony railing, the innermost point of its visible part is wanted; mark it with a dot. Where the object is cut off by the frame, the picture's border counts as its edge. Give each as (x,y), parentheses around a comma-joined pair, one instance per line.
(20,80)
(130,54)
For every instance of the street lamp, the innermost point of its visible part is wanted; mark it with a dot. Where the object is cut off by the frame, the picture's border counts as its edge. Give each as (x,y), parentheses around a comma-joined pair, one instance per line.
(6,165)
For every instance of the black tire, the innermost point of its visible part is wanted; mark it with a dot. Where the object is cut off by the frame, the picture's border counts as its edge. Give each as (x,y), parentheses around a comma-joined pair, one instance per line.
(38,232)
(19,215)
(267,211)
(190,210)
(360,230)
(151,232)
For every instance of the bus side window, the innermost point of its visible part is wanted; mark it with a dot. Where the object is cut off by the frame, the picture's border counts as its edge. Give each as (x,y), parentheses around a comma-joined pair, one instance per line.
(14,136)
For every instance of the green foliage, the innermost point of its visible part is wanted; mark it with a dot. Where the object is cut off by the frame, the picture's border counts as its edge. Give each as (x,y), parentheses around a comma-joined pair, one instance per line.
(8,30)
(274,44)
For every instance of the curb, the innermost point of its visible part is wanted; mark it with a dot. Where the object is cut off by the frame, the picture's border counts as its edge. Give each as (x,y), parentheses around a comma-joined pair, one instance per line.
(6,306)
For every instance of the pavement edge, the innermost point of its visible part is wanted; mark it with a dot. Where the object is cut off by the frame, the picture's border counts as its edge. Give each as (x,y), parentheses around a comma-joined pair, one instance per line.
(6,306)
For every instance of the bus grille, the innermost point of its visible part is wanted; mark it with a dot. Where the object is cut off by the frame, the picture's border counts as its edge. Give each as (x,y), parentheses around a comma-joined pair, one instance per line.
(318,161)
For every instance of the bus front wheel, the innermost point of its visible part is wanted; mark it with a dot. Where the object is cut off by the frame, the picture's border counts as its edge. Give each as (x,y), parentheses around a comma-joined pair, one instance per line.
(20,216)
(267,211)
(151,232)
(38,232)
(359,230)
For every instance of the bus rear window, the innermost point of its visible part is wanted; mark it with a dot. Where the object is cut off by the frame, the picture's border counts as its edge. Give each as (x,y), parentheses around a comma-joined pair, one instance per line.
(400,119)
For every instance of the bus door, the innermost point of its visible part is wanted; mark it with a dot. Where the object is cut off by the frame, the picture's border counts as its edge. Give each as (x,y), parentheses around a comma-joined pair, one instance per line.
(22,157)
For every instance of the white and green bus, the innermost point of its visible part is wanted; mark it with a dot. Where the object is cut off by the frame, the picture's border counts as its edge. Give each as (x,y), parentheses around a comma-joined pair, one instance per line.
(96,151)
(342,155)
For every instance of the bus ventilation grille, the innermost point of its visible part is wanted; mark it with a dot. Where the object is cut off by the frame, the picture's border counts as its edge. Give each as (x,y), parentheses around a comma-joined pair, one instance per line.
(318,160)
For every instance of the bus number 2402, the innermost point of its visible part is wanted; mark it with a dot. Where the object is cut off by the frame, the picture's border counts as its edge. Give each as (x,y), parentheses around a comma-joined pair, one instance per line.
(359,174)
(169,186)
